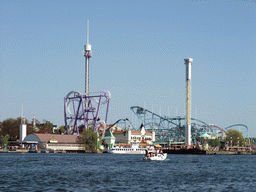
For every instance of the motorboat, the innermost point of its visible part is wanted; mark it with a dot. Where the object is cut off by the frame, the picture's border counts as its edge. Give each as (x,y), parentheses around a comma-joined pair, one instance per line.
(153,156)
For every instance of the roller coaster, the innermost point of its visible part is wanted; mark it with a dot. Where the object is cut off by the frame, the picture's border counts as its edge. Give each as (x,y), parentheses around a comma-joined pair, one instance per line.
(173,128)
(82,110)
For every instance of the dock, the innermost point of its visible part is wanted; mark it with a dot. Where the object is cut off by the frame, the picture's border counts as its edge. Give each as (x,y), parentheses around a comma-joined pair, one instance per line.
(196,151)
(191,151)
(230,153)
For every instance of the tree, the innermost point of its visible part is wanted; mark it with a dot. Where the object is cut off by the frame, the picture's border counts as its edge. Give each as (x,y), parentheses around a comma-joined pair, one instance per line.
(90,141)
(45,127)
(4,141)
(30,128)
(62,129)
(235,136)
(11,127)
(1,126)
(214,142)
(48,126)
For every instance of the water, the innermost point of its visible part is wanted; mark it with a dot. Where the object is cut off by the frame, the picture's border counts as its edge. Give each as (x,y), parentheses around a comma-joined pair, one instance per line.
(107,172)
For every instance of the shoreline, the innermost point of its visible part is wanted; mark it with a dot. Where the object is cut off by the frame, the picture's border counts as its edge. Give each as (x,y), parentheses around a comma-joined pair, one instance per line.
(181,152)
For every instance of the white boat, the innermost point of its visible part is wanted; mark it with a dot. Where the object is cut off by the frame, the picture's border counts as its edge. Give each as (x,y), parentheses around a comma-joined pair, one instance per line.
(152,156)
(133,149)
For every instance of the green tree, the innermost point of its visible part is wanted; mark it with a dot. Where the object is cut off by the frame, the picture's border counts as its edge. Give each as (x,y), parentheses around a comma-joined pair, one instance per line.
(214,142)
(235,136)
(30,128)
(45,127)
(48,126)
(11,127)
(62,129)
(4,141)
(90,141)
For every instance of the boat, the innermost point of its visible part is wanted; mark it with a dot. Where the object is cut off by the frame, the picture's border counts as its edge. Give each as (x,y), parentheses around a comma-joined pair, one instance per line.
(134,149)
(158,157)
(154,156)
(33,150)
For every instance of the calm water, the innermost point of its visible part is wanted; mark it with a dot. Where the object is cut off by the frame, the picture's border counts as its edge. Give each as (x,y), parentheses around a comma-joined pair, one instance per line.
(107,172)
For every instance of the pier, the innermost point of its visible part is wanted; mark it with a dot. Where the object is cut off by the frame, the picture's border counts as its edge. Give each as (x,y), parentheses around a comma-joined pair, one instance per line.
(194,150)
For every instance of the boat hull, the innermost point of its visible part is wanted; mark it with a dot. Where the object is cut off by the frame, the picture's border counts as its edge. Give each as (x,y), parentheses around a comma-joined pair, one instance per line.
(128,151)
(134,149)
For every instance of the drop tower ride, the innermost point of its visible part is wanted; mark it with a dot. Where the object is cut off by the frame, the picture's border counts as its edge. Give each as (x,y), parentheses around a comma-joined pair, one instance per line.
(188,62)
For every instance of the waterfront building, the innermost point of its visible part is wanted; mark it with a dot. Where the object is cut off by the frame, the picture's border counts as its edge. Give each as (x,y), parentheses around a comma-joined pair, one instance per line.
(128,136)
(54,142)
(109,140)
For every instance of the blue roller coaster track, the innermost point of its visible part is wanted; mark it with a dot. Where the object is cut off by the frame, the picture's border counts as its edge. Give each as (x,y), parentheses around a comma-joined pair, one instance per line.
(172,128)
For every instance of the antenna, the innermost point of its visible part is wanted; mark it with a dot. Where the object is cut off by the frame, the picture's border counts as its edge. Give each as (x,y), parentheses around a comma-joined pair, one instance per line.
(87,32)
(21,119)
(21,110)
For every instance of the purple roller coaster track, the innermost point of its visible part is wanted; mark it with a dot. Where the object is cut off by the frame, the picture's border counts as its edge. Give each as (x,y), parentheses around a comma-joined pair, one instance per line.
(81,109)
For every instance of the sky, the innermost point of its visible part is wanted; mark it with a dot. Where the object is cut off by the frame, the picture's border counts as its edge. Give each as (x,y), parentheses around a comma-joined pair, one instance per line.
(138,52)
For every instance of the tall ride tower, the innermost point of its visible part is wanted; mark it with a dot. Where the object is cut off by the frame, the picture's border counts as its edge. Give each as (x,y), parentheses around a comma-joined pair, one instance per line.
(188,62)
(81,110)
(87,55)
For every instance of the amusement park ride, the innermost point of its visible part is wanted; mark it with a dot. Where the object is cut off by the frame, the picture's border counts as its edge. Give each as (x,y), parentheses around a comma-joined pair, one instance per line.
(81,111)
(173,128)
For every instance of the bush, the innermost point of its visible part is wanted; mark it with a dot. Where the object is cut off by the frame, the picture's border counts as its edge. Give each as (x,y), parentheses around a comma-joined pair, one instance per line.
(90,141)
(214,142)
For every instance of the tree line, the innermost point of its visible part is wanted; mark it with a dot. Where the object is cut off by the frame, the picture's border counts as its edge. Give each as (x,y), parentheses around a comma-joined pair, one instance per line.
(10,128)
(233,138)
(10,131)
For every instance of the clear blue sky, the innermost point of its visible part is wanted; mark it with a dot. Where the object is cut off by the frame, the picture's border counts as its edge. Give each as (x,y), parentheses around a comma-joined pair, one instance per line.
(138,52)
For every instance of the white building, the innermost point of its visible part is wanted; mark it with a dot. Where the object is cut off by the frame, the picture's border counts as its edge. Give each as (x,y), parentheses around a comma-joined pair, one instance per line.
(129,136)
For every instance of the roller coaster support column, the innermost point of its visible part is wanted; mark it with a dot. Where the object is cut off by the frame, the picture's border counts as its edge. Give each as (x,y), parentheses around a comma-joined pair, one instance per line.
(188,62)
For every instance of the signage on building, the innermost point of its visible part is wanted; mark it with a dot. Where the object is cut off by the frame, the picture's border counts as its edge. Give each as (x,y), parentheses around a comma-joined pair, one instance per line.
(53,140)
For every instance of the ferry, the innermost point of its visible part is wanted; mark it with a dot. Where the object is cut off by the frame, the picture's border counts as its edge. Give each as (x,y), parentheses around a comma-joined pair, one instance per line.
(134,149)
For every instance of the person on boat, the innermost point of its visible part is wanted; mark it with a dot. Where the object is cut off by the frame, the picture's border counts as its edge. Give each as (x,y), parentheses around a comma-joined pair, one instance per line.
(146,151)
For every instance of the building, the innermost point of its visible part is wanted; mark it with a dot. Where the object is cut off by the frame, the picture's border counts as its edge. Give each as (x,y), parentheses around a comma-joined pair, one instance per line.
(128,136)
(109,140)
(54,142)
